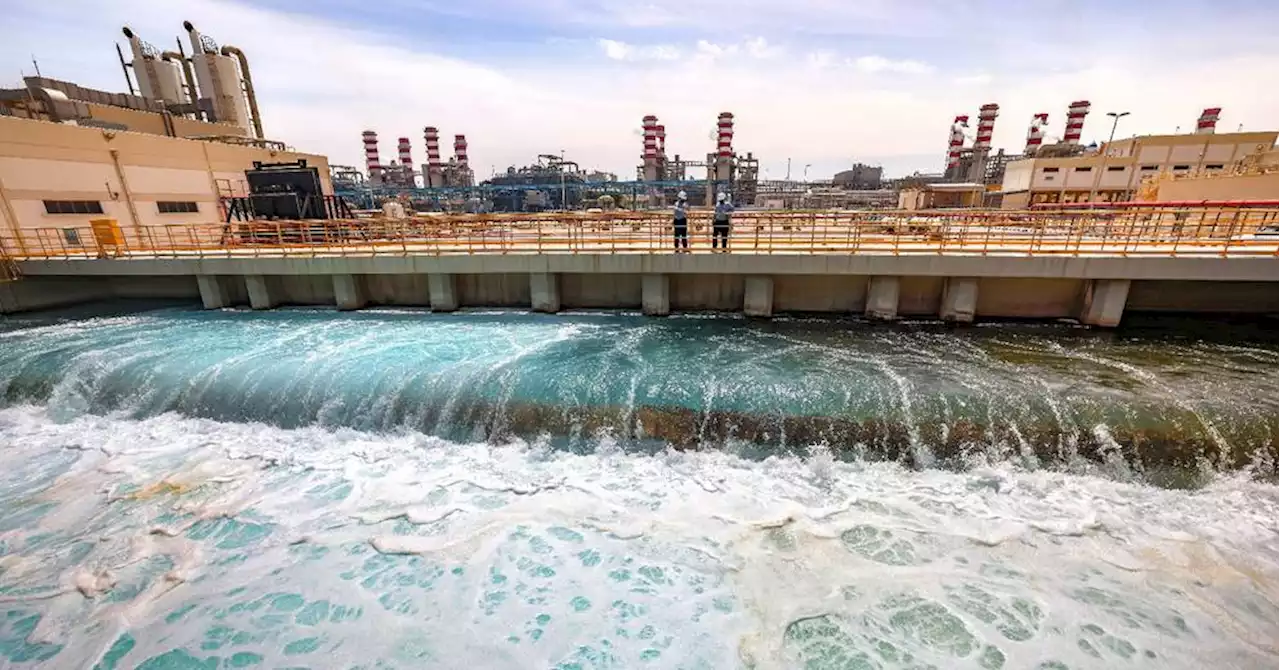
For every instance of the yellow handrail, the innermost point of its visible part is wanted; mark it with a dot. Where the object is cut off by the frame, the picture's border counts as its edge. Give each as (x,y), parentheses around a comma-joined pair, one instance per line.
(1220,231)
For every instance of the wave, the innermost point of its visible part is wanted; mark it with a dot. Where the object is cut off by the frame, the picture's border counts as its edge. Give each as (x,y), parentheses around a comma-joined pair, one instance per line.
(1168,413)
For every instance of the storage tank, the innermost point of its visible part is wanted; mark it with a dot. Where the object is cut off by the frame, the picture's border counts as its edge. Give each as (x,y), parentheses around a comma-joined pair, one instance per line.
(219,78)
(158,78)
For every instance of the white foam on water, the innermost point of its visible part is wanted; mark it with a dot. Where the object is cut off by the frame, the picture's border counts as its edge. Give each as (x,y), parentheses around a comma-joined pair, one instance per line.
(173,537)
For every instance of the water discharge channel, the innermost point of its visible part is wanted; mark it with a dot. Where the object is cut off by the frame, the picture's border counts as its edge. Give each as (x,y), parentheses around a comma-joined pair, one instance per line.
(504,490)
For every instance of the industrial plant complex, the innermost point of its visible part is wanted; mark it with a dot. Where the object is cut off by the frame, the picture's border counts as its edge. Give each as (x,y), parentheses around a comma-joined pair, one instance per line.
(182,165)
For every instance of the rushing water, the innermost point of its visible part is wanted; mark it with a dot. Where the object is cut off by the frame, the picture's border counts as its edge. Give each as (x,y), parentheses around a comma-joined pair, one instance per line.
(185,489)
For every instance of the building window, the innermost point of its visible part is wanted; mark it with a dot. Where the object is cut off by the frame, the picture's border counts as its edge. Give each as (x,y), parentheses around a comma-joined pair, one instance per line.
(72,207)
(1213,166)
(1050,170)
(1084,169)
(171,207)
(71,235)
(1148,168)
(1182,167)
(1116,168)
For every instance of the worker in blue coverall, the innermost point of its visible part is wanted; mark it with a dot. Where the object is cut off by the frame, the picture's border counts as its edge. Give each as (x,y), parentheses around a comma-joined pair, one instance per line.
(720,222)
(681,222)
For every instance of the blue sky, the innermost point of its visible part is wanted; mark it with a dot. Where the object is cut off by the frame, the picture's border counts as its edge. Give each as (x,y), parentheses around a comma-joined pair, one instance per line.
(822,82)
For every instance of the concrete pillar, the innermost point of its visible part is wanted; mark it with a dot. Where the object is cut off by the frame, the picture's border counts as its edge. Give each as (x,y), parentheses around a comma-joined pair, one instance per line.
(544,291)
(758,296)
(443,291)
(882,298)
(213,293)
(655,294)
(1104,301)
(260,294)
(959,300)
(348,292)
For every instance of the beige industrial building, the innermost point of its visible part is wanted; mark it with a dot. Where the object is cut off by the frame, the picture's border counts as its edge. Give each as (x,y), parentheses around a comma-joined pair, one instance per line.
(1256,177)
(69,154)
(1117,171)
(55,176)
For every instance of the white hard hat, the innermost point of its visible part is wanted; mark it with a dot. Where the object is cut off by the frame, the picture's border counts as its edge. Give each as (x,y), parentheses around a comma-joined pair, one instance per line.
(682,195)
(722,196)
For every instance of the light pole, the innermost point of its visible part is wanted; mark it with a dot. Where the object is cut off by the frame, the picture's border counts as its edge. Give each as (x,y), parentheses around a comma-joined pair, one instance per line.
(1115,121)
(563,197)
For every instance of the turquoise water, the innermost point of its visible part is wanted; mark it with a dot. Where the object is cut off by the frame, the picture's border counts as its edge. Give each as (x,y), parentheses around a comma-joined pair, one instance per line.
(398,489)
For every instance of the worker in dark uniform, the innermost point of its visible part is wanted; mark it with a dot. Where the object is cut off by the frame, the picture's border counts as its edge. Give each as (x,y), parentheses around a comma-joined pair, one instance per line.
(720,223)
(681,223)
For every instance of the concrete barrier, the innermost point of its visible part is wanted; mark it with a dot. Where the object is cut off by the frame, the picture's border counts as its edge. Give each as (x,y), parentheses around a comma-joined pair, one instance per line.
(955,288)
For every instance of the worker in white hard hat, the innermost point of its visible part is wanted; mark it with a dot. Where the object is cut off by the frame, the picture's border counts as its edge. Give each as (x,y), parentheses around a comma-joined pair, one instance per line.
(720,223)
(681,223)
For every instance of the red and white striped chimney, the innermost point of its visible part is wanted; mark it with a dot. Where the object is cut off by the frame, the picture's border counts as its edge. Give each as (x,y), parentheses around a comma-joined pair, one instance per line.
(406,152)
(460,149)
(662,139)
(432,138)
(371,153)
(956,141)
(650,127)
(724,141)
(1035,133)
(1076,112)
(986,125)
(1208,121)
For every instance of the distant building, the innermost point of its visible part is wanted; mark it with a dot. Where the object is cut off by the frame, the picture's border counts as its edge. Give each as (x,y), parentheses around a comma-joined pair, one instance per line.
(861,177)
(1117,171)
(941,196)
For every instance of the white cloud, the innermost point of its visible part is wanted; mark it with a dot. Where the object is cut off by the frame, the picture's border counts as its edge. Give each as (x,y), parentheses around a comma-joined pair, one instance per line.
(759,47)
(875,64)
(615,49)
(622,51)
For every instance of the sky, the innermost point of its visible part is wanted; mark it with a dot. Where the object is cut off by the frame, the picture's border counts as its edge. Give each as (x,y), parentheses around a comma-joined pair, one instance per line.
(819,83)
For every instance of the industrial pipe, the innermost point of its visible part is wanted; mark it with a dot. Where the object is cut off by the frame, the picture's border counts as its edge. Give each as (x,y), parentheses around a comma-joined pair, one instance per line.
(187,73)
(248,87)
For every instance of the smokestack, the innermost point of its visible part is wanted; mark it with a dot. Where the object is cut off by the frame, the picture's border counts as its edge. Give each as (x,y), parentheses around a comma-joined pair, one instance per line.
(1075,121)
(1208,121)
(724,143)
(1035,133)
(406,152)
(956,141)
(371,154)
(460,150)
(650,126)
(986,125)
(662,139)
(432,137)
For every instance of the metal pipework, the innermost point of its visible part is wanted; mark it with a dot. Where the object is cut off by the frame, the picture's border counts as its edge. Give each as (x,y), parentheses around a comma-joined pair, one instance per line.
(248,87)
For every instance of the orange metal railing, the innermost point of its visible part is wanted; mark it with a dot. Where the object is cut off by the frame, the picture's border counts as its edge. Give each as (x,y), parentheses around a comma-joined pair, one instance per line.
(1223,231)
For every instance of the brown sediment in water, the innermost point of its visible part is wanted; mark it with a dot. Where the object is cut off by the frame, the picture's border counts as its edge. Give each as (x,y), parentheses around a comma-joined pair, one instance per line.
(946,444)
